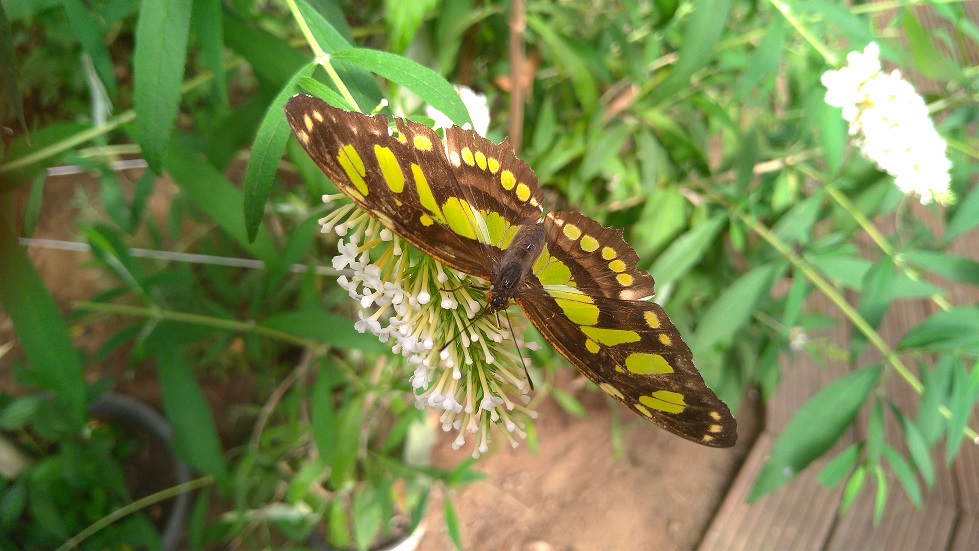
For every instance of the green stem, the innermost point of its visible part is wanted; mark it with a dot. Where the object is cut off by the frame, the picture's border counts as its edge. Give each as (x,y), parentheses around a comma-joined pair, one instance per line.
(871,230)
(131,508)
(158,314)
(803,31)
(322,58)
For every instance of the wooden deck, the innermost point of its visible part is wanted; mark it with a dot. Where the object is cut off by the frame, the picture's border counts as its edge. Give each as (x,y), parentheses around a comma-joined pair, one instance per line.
(804,514)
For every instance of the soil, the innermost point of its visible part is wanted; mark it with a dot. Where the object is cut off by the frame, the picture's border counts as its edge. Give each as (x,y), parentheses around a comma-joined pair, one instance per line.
(571,493)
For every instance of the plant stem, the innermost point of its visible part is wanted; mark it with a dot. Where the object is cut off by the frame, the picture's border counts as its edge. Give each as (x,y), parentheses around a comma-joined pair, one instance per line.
(131,508)
(159,314)
(322,58)
(803,31)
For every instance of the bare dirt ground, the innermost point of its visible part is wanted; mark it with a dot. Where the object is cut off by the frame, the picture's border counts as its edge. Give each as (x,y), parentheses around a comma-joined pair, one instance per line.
(573,494)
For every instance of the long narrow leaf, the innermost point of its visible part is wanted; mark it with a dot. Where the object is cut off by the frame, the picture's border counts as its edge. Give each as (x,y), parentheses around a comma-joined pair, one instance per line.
(267,149)
(158,67)
(814,428)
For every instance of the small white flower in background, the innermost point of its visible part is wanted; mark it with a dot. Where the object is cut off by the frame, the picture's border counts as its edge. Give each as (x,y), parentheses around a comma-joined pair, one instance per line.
(475,103)
(478,381)
(889,122)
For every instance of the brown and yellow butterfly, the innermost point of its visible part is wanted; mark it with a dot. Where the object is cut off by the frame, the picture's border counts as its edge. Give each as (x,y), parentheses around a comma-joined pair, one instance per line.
(474,206)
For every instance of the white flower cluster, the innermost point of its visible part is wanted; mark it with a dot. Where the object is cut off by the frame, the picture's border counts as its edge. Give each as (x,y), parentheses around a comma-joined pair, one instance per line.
(469,379)
(890,124)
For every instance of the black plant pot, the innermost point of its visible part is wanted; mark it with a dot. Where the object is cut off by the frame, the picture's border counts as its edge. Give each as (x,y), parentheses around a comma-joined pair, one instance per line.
(132,414)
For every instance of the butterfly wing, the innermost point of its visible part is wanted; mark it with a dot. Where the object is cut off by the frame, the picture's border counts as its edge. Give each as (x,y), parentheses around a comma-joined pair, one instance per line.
(436,196)
(580,298)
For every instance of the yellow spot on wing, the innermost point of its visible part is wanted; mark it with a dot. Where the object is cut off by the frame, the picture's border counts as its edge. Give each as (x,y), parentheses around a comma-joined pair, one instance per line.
(608,253)
(642,363)
(523,191)
(308,121)
(652,319)
(507,180)
(426,220)
(467,156)
(423,143)
(459,215)
(624,280)
(578,307)
(611,390)
(554,272)
(592,346)
(481,160)
(493,164)
(616,266)
(665,339)
(572,232)
(665,400)
(642,409)
(353,165)
(611,337)
(394,177)
(425,196)
(589,244)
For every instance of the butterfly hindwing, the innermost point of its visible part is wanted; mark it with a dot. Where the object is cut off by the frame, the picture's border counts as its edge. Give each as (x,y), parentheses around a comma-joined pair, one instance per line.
(632,351)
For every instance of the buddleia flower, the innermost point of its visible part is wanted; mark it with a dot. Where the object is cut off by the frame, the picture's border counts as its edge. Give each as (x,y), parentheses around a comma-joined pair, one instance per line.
(889,122)
(470,372)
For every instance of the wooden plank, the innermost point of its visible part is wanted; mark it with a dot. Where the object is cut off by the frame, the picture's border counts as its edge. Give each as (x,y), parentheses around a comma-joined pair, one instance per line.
(902,527)
(966,533)
(793,517)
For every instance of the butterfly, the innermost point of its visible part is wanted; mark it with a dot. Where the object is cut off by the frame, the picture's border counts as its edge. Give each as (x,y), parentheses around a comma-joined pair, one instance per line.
(474,206)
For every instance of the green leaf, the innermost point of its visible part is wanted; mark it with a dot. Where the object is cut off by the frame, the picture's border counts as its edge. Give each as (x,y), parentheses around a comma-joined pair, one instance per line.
(843,464)
(663,217)
(904,474)
(686,251)
(928,60)
(11,102)
(964,218)
(403,19)
(347,444)
(206,20)
(271,57)
(323,414)
(567,59)
(452,523)
(795,226)
(338,524)
(569,403)
(852,490)
(325,93)
(367,517)
(734,307)
(937,383)
(951,331)
(267,149)
(814,428)
(86,28)
(880,499)
(705,28)
(54,363)
(323,326)
(965,392)
(428,84)
(795,298)
(875,433)
(209,191)
(952,267)
(844,269)
(195,437)
(158,72)
(917,448)
(764,60)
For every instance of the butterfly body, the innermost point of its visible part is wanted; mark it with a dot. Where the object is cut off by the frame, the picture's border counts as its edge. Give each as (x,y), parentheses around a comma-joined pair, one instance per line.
(474,206)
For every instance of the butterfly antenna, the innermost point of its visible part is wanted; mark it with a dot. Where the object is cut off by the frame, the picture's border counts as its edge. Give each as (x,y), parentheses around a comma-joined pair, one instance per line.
(517,345)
